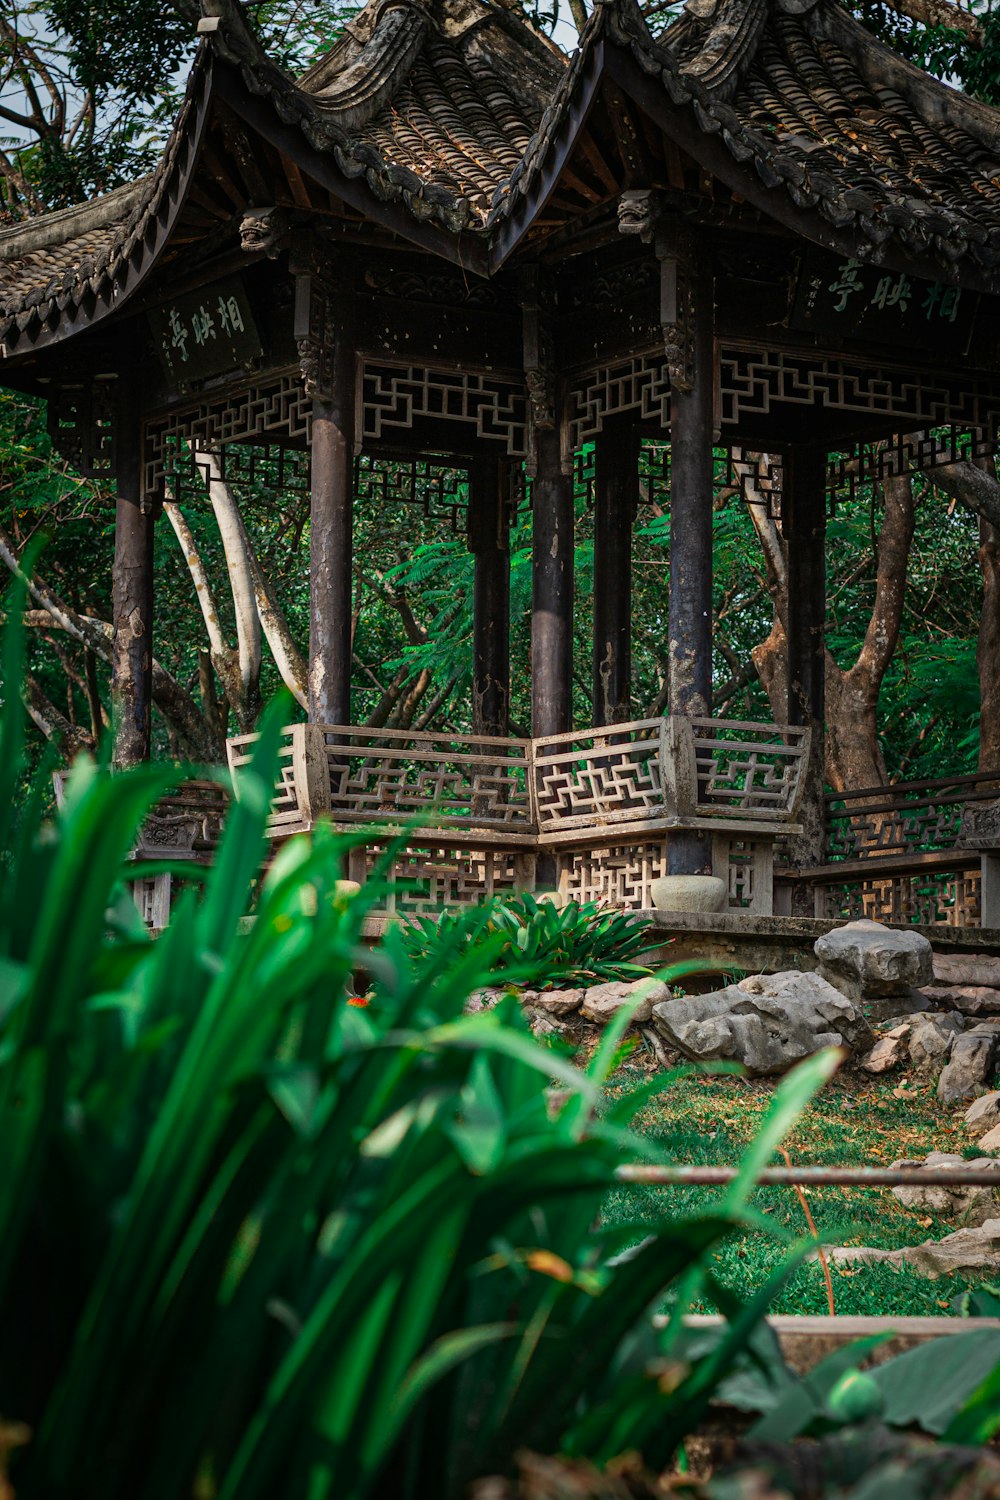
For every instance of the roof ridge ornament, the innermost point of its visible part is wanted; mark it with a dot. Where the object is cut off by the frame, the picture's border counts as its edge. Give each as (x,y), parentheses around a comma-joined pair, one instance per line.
(729,45)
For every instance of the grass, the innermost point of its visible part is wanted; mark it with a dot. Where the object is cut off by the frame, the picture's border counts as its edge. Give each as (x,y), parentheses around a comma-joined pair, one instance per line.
(855,1121)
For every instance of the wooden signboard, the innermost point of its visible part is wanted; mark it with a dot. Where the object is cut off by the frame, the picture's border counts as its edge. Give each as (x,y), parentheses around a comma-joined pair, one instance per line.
(835,295)
(206,332)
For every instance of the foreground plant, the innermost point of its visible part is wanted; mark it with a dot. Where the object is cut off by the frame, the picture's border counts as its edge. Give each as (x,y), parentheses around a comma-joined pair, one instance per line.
(257,1240)
(543,943)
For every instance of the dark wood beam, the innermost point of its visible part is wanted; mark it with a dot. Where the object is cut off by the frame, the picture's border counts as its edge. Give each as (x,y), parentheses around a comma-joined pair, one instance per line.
(552,590)
(689,326)
(131,586)
(490,543)
(616,484)
(324,330)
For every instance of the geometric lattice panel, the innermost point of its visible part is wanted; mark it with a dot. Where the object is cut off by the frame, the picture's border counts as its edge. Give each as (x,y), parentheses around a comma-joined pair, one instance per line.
(947,897)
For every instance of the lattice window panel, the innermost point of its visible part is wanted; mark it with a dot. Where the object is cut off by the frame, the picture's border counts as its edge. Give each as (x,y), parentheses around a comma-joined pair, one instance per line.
(639,385)
(947,897)
(740,873)
(756,477)
(435,486)
(395,396)
(620,875)
(81,424)
(753,382)
(424,879)
(922,451)
(277,409)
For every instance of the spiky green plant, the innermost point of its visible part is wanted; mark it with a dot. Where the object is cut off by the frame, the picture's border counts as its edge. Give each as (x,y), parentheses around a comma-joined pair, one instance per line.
(544,944)
(259,1238)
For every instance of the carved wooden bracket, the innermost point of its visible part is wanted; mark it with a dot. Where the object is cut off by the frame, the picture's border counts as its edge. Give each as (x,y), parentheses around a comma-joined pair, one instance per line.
(323,297)
(264,231)
(644,212)
(675,252)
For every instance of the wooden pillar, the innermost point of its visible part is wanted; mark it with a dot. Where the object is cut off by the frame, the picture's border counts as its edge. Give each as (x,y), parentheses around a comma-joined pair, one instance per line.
(324,328)
(552,589)
(489,542)
(803,518)
(691,359)
(616,482)
(132,587)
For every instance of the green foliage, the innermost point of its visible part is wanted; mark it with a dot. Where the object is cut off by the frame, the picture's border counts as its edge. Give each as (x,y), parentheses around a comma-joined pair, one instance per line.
(540,943)
(258,1236)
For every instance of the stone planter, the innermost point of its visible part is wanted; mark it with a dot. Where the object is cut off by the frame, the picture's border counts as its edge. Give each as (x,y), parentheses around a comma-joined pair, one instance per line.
(689,893)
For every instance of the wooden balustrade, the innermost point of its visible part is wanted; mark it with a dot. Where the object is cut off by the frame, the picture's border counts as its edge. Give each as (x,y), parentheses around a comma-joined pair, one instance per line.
(473,811)
(918,851)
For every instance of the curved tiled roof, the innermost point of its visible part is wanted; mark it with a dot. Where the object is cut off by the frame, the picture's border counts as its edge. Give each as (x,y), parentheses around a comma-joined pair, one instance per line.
(801,93)
(76,265)
(460,114)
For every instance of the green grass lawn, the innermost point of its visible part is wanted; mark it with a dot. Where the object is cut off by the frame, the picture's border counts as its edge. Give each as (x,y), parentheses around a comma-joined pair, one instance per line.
(855,1121)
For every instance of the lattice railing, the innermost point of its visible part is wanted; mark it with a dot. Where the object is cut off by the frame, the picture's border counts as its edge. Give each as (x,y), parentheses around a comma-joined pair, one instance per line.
(383,777)
(614,774)
(915,816)
(754,770)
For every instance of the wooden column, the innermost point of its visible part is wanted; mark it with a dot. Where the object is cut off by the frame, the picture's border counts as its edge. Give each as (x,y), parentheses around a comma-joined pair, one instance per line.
(132,587)
(803,519)
(688,291)
(324,328)
(552,590)
(490,544)
(616,483)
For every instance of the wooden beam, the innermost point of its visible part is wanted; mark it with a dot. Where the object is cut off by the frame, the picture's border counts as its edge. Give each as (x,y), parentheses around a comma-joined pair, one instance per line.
(490,544)
(131,587)
(552,590)
(616,483)
(325,333)
(689,327)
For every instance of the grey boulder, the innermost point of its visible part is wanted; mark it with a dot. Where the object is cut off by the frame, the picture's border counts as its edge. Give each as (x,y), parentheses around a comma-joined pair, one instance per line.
(970,999)
(964,1253)
(766,1022)
(973,1204)
(983,1113)
(868,960)
(971,1065)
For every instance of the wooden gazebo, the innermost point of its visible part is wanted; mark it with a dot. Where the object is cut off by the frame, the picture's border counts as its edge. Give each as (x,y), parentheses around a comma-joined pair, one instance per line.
(759,231)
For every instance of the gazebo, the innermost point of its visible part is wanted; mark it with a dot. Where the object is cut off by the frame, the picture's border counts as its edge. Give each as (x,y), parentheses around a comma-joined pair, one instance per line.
(758,232)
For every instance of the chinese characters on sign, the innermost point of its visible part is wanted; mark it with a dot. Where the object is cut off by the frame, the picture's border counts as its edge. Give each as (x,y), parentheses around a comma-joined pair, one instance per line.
(206,332)
(858,301)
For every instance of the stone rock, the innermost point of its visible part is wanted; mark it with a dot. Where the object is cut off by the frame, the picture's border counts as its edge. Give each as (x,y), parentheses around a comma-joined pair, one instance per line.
(984,1113)
(601,1002)
(544,1024)
(973,1204)
(930,1044)
(971,1065)
(481,1000)
(688,893)
(557,1002)
(767,1022)
(890,1051)
(867,960)
(991,1140)
(966,1252)
(970,999)
(967,969)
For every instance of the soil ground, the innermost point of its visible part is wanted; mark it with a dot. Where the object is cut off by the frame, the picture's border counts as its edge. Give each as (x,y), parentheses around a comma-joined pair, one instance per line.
(855,1121)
